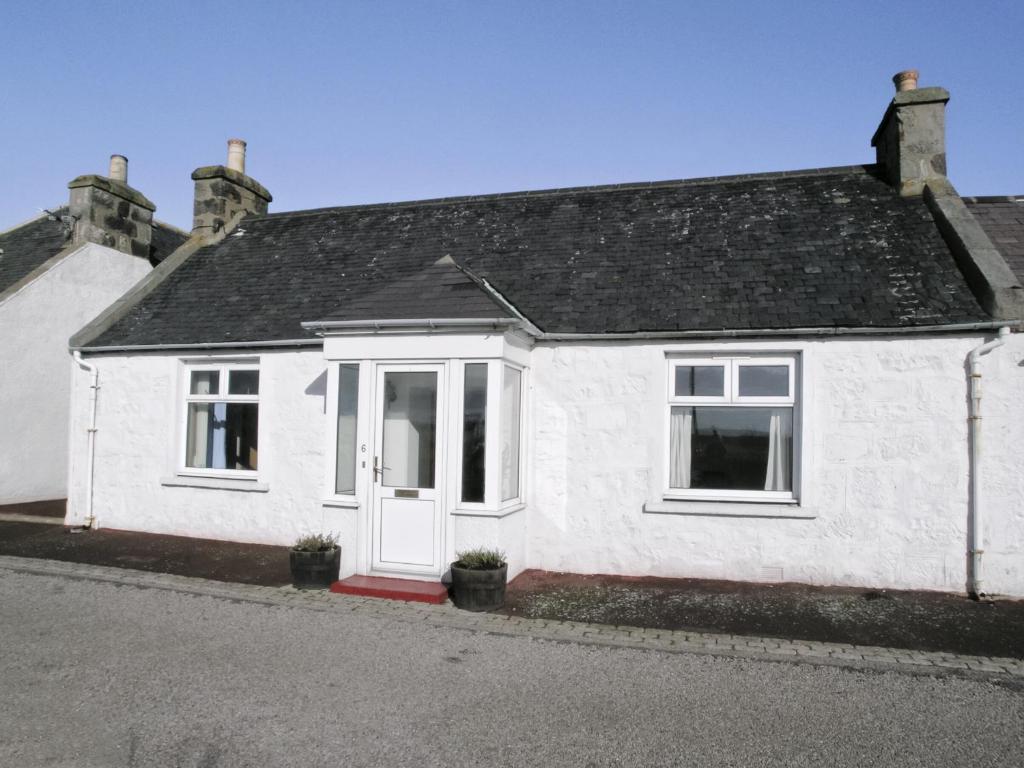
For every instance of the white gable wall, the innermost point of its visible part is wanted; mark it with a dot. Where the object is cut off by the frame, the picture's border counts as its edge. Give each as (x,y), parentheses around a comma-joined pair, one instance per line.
(35,325)
(884,461)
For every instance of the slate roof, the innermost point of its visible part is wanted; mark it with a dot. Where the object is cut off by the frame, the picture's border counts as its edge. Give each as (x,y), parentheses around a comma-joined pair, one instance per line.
(825,248)
(1002,218)
(31,244)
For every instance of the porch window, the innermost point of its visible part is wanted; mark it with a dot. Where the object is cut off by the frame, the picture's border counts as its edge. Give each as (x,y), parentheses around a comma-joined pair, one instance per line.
(348,406)
(730,428)
(474,432)
(222,418)
(511,409)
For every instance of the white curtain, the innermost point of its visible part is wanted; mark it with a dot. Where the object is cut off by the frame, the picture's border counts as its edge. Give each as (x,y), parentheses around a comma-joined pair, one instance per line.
(681,437)
(780,439)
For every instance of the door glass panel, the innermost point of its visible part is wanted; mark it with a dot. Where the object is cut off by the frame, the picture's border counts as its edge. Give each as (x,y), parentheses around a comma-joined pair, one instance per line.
(764,380)
(700,381)
(410,424)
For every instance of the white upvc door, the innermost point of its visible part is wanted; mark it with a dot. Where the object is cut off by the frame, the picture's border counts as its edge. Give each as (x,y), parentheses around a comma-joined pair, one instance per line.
(407,472)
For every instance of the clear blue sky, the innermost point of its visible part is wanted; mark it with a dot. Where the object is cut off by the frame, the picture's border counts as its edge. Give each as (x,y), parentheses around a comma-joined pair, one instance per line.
(350,102)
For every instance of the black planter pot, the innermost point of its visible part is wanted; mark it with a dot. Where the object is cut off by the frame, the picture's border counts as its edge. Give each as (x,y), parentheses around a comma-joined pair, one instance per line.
(315,570)
(478,590)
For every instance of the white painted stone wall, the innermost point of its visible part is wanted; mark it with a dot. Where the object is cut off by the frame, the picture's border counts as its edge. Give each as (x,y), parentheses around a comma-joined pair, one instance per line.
(884,454)
(139,420)
(35,325)
(884,457)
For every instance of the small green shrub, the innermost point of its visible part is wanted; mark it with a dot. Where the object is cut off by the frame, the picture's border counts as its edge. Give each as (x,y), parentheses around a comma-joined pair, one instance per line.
(480,559)
(316,542)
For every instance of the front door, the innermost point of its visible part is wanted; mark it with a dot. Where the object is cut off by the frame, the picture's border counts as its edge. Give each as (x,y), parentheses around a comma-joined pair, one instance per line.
(407,475)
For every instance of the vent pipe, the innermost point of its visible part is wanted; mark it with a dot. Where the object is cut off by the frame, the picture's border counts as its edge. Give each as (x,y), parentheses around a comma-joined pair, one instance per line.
(118,169)
(236,155)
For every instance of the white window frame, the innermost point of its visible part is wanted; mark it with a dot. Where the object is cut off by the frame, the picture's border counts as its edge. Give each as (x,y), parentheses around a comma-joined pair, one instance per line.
(223,367)
(516,500)
(731,398)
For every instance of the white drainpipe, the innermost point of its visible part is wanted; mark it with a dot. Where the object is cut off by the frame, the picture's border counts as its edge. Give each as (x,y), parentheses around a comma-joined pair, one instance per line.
(90,518)
(974,583)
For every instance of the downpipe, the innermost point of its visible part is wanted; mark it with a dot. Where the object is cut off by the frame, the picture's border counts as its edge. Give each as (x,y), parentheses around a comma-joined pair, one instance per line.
(975,500)
(94,385)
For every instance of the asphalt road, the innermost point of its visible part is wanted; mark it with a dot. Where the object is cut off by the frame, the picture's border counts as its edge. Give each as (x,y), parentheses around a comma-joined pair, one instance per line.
(94,674)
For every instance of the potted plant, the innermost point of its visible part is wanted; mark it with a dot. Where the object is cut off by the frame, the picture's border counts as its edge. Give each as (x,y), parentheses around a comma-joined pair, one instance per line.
(315,561)
(478,579)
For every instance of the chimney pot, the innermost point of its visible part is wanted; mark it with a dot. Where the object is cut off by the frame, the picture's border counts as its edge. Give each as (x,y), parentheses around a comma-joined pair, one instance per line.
(905,80)
(236,155)
(118,168)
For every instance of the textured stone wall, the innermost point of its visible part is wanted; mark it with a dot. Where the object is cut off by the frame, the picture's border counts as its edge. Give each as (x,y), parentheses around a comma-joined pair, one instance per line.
(35,325)
(911,140)
(884,459)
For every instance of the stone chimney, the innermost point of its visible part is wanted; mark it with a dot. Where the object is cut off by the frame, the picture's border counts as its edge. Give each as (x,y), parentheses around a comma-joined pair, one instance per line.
(224,191)
(106,211)
(911,139)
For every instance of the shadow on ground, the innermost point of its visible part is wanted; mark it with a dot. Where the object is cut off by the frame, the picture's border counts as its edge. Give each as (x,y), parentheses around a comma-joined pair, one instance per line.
(202,558)
(927,621)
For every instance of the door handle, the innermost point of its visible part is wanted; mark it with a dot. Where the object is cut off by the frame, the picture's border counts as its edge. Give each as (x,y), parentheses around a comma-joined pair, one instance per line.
(378,469)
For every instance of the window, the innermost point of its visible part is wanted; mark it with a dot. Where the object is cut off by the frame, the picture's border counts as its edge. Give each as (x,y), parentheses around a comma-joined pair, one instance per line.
(730,428)
(222,418)
(511,402)
(348,406)
(474,432)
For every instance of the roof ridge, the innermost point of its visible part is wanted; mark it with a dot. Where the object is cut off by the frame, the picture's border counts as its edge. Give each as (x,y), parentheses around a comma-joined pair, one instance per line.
(168,225)
(554,191)
(993,199)
(42,213)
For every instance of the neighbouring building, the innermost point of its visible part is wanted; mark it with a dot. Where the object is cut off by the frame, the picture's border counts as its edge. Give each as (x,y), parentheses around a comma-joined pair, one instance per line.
(763,377)
(57,272)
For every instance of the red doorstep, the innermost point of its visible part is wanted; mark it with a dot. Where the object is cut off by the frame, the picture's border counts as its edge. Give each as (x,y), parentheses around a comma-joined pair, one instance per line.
(392,589)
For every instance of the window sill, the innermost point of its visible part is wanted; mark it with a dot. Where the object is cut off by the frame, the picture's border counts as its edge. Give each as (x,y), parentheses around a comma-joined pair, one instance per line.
(746,508)
(217,483)
(342,503)
(503,512)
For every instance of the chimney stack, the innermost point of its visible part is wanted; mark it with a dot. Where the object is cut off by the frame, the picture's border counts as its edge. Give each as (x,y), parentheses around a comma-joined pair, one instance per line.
(106,211)
(911,139)
(222,191)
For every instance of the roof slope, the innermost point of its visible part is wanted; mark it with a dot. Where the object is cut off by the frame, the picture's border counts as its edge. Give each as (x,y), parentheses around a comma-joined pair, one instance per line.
(1002,218)
(28,246)
(834,247)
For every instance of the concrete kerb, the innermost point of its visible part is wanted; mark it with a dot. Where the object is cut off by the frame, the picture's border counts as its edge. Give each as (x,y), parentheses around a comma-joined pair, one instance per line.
(859,658)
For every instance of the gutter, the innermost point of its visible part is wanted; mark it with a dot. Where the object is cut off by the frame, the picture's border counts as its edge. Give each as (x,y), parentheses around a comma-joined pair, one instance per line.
(353,326)
(90,517)
(975,504)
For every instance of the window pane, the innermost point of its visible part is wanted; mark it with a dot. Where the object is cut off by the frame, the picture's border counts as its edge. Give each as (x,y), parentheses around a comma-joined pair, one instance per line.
(764,380)
(205,383)
(243,382)
(474,429)
(748,449)
(348,402)
(510,415)
(700,381)
(410,423)
(222,436)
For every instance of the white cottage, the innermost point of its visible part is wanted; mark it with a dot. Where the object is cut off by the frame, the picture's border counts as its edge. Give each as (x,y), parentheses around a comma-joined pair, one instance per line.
(762,377)
(57,272)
